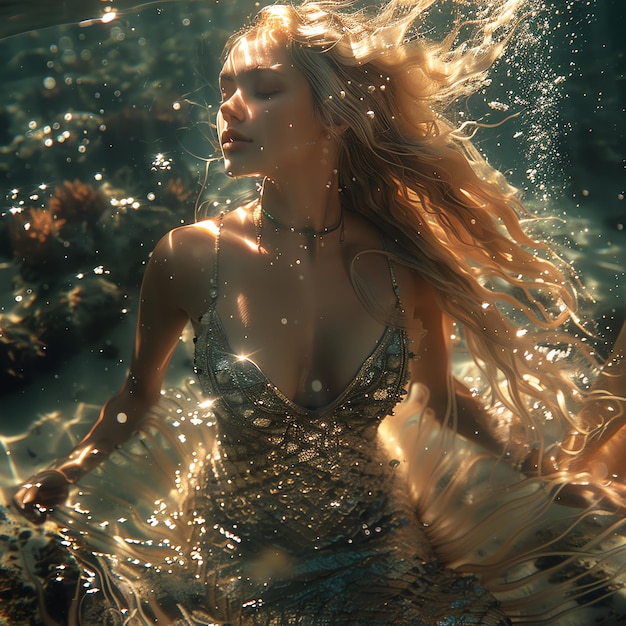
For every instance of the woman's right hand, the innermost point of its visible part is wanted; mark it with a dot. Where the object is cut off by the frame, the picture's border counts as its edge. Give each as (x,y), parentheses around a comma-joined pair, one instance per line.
(38,496)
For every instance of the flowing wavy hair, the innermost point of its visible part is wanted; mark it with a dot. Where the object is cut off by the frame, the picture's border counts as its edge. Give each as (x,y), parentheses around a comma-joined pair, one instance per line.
(383,90)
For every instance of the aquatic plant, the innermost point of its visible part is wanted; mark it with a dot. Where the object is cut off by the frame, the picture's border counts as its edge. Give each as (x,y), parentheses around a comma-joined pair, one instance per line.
(77,202)
(21,353)
(48,240)
(63,253)
(175,193)
(66,317)
(35,240)
(128,233)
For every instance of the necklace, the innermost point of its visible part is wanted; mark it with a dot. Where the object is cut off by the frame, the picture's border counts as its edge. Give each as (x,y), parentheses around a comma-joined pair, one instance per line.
(309,233)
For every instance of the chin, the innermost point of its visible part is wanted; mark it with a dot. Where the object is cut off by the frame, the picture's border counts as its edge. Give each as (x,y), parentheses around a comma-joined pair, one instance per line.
(233,171)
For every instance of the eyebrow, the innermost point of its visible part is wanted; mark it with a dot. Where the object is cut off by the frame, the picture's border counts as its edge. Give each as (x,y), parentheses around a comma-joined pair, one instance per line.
(275,69)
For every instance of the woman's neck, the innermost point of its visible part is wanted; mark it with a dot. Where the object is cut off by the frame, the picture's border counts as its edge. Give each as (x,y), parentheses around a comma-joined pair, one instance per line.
(310,203)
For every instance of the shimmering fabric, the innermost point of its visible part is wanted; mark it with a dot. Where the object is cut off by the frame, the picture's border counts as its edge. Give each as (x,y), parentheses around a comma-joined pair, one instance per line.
(237,506)
(310,519)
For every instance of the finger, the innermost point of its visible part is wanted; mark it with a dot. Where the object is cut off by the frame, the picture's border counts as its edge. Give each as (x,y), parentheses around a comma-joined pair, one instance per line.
(32,512)
(25,502)
(30,493)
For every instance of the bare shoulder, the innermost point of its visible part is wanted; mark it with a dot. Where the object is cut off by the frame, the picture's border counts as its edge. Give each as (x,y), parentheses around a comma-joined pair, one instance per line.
(186,242)
(184,261)
(192,244)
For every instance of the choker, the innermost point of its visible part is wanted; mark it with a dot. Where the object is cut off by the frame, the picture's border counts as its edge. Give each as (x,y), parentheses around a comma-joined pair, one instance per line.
(309,233)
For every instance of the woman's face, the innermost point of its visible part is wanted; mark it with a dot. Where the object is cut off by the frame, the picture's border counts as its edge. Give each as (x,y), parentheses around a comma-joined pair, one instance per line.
(266,121)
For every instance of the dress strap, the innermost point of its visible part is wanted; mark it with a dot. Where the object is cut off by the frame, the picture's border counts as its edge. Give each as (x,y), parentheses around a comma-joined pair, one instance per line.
(394,286)
(214,282)
(392,274)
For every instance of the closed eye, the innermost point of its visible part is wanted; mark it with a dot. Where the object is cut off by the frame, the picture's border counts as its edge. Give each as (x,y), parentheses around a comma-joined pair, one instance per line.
(266,95)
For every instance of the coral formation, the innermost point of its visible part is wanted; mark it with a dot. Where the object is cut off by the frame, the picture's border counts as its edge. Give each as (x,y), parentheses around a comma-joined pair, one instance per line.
(70,284)
(21,353)
(47,240)
(77,202)
(35,239)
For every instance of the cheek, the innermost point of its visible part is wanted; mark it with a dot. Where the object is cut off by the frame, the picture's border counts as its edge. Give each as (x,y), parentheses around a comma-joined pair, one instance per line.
(301,126)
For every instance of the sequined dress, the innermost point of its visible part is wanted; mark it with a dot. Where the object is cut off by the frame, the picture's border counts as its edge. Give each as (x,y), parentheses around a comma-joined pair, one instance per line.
(234,505)
(310,518)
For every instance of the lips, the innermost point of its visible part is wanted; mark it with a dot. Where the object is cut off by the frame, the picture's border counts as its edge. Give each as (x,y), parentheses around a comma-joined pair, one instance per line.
(231,137)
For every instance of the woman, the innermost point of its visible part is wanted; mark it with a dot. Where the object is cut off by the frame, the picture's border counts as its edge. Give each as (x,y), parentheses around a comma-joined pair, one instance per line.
(314,306)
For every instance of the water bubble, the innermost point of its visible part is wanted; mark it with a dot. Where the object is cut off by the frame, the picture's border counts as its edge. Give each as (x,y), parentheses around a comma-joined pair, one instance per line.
(370,114)
(49,82)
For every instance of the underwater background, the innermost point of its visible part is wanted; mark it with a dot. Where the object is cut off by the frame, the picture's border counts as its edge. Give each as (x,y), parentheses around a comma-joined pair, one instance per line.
(106,140)
(106,143)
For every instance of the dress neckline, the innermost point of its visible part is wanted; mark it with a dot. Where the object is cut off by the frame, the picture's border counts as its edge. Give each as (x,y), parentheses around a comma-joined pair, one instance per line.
(381,343)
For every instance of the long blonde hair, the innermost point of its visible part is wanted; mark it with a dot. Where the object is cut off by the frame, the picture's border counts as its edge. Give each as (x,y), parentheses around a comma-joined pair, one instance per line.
(406,168)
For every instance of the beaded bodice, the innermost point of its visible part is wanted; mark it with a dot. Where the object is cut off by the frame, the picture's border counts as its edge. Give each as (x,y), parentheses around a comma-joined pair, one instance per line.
(323,470)
(259,410)
(324,467)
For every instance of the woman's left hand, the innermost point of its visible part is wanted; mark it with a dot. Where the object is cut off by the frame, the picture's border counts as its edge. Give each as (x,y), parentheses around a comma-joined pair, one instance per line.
(38,496)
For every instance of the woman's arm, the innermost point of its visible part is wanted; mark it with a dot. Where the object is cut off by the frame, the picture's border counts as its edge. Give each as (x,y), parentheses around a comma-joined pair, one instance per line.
(162,317)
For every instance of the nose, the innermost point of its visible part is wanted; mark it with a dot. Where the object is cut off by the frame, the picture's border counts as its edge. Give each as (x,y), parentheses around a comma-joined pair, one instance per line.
(232,108)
